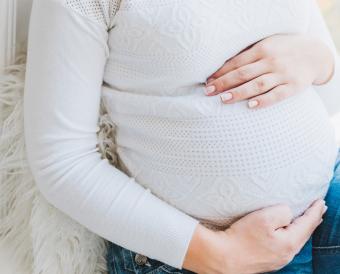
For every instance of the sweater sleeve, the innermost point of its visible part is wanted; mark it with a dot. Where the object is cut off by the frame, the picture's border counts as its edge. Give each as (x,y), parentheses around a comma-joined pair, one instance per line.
(67,52)
(330,91)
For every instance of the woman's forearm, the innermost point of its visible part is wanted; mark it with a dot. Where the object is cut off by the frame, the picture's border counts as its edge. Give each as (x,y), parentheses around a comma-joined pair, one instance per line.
(203,255)
(327,57)
(324,62)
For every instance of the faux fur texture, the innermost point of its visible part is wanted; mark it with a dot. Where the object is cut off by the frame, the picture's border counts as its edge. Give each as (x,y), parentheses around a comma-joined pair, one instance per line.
(45,240)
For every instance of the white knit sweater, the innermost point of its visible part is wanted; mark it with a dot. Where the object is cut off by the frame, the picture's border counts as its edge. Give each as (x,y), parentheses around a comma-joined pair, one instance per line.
(189,158)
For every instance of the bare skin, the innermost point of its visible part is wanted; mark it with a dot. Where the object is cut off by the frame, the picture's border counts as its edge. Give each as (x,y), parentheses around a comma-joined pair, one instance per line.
(263,241)
(286,236)
(267,239)
(269,71)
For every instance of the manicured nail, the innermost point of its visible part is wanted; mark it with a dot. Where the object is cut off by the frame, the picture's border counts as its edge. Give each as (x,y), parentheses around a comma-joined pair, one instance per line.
(226,96)
(325,209)
(210,89)
(253,103)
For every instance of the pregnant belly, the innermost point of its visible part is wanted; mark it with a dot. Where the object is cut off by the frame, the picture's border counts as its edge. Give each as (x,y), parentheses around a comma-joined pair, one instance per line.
(218,162)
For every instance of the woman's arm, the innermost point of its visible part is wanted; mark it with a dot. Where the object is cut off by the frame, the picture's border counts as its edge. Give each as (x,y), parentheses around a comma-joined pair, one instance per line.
(330,91)
(319,30)
(67,52)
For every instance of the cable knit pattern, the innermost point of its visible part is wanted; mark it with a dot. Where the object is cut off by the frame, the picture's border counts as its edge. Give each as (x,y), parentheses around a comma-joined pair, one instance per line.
(215,162)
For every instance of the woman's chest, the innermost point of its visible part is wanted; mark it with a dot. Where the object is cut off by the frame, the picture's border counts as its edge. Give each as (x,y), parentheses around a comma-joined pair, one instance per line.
(190,39)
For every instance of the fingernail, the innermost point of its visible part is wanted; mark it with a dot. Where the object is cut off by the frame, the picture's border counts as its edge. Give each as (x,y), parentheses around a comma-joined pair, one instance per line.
(226,96)
(210,80)
(325,209)
(253,103)
(210,89)
(322,201)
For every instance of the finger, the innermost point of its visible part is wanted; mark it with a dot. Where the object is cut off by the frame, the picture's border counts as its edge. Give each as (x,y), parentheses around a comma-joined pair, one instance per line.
(273,96)
(301,229)
(255,87)
(245,57)
(275,217)
(238,77)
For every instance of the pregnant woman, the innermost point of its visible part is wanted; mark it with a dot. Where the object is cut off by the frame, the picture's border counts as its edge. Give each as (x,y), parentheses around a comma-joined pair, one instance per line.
(223,177)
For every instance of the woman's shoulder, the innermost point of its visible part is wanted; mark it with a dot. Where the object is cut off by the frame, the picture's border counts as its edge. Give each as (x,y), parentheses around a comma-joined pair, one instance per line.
(100,11)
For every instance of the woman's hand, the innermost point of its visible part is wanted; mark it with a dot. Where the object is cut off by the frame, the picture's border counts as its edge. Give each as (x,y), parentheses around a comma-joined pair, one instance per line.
(263,241)
(273,69)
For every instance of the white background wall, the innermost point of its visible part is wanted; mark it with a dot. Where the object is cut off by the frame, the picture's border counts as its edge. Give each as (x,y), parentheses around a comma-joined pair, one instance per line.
(7,25)
(23,12)
(14,17)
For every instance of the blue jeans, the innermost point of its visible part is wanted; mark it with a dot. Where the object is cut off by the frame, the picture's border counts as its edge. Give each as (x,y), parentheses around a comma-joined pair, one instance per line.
(320,255)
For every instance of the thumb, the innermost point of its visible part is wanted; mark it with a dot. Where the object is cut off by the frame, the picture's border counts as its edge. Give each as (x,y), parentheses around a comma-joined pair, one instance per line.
(276,216)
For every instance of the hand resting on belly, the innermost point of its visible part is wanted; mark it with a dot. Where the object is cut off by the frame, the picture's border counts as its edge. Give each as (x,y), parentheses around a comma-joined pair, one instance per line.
(271,71)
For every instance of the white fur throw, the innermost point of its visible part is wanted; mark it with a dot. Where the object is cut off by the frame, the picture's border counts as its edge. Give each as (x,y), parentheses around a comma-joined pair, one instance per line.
(45,240)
